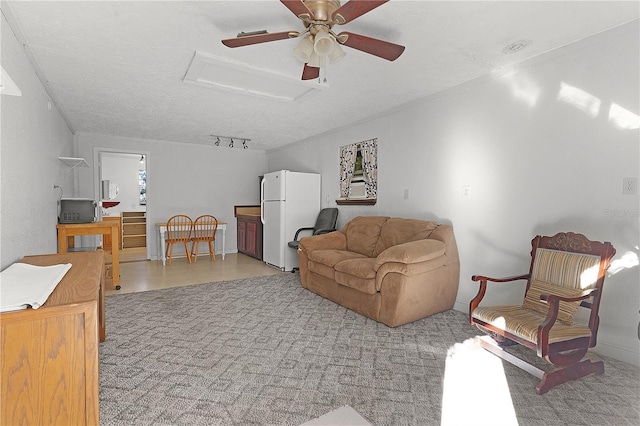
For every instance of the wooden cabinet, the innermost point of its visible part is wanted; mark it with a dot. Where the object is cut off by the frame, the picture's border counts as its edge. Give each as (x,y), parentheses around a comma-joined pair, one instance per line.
(250,235)
(49,356)
(134,229)
(249,230)
(242,235)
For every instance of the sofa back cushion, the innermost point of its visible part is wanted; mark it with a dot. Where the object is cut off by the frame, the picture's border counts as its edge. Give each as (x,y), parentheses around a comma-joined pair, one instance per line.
(362,234)
(371,235)
(399,231)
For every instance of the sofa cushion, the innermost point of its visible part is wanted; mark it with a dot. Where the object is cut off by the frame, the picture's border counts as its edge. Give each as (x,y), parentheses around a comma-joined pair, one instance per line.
(363,233)
(322,262)
(399,231)
(357,274)
(411,252)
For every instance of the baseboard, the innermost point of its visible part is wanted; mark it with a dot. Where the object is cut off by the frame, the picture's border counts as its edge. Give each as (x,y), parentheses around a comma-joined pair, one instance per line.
(616,352)
(461,307)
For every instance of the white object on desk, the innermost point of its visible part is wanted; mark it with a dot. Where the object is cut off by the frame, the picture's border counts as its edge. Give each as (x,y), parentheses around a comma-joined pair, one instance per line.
(162,231)
(24,284)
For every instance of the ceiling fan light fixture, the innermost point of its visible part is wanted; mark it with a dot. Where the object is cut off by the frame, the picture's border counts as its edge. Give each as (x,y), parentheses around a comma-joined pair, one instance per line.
(314,60)
(304,49)
(324,43)
(336,54)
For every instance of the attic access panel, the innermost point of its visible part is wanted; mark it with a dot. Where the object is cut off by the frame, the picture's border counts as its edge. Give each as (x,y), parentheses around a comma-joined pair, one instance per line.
(237,77)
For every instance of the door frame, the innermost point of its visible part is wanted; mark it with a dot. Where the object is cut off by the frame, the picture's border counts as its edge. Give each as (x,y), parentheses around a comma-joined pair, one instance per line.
(97,179)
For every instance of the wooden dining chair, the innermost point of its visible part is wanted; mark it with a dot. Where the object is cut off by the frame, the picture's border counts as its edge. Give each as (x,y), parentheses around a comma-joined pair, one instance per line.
(204,230)
(179,231)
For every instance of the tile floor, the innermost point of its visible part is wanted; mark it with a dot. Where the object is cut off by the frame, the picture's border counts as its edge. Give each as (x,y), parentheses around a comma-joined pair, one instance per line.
(138,274)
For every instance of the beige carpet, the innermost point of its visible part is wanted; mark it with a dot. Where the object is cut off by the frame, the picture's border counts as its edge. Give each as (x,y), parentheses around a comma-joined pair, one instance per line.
(264,351)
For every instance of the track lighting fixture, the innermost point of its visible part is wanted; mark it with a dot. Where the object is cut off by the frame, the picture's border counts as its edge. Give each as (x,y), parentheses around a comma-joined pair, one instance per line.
(231,141)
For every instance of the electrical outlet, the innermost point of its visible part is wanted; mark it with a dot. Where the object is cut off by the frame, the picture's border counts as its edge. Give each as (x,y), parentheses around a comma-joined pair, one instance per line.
(405,194)
(630,185)
(466,190)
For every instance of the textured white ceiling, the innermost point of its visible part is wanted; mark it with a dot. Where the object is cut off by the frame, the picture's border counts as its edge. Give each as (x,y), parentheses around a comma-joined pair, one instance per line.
(116,67)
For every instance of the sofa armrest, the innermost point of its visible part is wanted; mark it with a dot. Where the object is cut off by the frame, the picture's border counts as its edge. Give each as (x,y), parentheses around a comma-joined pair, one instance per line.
(411,252)
(333,240)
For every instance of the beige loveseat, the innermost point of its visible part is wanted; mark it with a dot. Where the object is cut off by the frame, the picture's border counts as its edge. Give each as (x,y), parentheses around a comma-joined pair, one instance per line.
(392,270)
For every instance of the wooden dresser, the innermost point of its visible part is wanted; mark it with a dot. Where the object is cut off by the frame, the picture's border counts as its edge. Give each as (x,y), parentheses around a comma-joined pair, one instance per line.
(49,356)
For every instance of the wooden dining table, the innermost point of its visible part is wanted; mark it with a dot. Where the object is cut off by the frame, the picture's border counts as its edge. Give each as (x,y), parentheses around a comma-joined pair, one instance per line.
(66,232)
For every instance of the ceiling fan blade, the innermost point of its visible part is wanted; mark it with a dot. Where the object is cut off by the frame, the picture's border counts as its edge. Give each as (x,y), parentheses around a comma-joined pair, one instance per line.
(257,38)
(353,9)
(310,73)
(298,8)
(380,48)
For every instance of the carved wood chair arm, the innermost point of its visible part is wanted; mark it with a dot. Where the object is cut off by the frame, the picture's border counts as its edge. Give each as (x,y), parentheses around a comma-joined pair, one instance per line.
(552,314)
(500,280)
(548,297)
(483,289)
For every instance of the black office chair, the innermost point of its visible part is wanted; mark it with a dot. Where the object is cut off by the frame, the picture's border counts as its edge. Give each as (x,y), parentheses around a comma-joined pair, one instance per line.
(325,223)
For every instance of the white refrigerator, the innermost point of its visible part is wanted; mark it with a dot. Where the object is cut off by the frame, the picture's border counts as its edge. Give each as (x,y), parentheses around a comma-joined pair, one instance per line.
(288,201)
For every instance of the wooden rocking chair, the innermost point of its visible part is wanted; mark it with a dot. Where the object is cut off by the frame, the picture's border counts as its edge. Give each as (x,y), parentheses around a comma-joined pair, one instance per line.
(567,271)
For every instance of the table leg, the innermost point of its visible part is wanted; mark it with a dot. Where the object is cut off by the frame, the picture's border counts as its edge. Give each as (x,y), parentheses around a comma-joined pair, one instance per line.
(62,241)
(115,256)
(161,230)
(102,327)
(224,241)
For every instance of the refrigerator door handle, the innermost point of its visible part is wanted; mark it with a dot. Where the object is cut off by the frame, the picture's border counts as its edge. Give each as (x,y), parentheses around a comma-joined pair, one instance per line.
(262,201)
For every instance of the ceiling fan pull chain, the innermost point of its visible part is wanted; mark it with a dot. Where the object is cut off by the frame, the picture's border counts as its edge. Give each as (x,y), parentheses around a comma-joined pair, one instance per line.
(322,77)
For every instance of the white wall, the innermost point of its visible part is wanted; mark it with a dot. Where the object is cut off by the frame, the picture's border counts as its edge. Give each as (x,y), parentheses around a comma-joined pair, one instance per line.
(534,164)
(33,137)
(183,178)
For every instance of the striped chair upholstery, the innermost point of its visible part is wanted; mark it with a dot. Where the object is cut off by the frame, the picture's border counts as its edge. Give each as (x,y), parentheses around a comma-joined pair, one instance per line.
(554,272)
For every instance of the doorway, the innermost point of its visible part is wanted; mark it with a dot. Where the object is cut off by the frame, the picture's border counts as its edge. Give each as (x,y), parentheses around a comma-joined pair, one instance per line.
(121,184)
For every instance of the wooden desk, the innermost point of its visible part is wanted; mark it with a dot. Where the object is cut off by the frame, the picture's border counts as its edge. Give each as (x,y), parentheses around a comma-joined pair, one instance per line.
(49,362)
(162,230)
(94,228)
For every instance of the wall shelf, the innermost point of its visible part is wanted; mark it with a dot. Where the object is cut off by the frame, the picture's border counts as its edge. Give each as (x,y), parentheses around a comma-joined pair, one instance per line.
(356,201)
(73,162)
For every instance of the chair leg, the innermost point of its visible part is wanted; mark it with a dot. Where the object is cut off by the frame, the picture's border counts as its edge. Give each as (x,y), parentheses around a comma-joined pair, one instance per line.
(186,249)
(572,372)
(212,252)
(194,251)
(170,250)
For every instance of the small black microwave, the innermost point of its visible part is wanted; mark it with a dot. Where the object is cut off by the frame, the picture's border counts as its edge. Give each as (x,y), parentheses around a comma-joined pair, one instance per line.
(77,210)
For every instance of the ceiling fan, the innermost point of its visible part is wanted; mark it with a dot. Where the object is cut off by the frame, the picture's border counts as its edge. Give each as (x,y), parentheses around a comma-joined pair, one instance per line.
(319,42)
